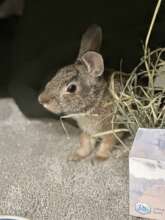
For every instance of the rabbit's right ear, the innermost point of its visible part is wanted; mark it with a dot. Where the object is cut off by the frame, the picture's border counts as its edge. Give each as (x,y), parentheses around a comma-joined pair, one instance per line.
(93,62)
(91,40)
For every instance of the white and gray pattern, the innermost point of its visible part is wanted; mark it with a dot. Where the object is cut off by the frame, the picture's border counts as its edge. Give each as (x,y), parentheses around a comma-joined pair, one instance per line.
(147,174)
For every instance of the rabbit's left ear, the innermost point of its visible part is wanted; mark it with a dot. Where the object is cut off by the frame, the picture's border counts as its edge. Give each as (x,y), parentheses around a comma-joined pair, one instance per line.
(91,40)
(94,63)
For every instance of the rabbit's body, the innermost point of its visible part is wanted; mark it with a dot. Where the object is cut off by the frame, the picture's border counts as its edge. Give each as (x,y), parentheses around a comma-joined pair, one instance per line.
(81,90)
(97,119)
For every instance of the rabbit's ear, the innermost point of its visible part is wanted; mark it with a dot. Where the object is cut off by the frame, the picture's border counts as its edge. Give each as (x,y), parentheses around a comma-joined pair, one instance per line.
(93,62)
(91,40)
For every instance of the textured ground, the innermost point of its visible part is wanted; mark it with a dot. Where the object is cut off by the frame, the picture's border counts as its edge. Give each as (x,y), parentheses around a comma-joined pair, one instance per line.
(38,182)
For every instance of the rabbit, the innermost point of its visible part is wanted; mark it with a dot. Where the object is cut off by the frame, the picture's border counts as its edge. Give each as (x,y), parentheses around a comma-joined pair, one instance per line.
(81,88)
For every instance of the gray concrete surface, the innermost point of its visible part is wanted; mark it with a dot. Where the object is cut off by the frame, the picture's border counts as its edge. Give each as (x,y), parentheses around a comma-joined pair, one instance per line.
(37,181)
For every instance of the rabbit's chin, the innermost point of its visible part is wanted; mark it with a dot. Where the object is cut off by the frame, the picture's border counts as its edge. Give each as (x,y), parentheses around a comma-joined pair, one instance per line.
(52,109)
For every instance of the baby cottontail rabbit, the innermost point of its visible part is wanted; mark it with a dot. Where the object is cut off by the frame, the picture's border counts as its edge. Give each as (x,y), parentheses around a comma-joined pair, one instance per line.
(81,88)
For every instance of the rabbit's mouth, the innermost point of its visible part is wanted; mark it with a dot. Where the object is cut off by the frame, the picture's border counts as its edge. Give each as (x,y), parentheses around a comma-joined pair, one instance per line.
(46,106)
(49,103)
(50,107)
(53,110)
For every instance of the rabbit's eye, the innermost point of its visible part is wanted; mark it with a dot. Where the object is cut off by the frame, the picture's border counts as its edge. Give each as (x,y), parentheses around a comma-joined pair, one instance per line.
(71,88)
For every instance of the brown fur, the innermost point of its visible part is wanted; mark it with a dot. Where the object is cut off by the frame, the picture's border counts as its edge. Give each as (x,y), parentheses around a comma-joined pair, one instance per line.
(90,96)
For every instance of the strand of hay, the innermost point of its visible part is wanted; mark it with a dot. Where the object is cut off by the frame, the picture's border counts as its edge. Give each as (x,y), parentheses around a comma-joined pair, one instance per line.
(149,32)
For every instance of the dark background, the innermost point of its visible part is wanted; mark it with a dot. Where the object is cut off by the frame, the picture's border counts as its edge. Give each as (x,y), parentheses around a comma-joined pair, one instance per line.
(48,35)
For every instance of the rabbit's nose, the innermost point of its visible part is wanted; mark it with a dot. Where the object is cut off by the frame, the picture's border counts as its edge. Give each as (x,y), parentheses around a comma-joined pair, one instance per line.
(43,99)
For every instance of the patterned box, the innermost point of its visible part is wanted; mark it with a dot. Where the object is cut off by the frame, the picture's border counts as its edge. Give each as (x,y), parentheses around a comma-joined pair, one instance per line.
(147,174)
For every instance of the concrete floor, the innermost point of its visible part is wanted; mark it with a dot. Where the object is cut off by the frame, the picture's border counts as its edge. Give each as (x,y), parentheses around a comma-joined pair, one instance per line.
(39,183)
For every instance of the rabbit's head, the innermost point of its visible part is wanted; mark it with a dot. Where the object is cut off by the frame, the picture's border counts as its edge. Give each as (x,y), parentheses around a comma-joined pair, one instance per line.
(76,88)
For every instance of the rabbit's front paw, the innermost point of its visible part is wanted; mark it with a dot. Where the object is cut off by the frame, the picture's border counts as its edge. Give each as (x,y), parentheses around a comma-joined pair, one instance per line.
(79,154)
(105,148)
(102,155)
